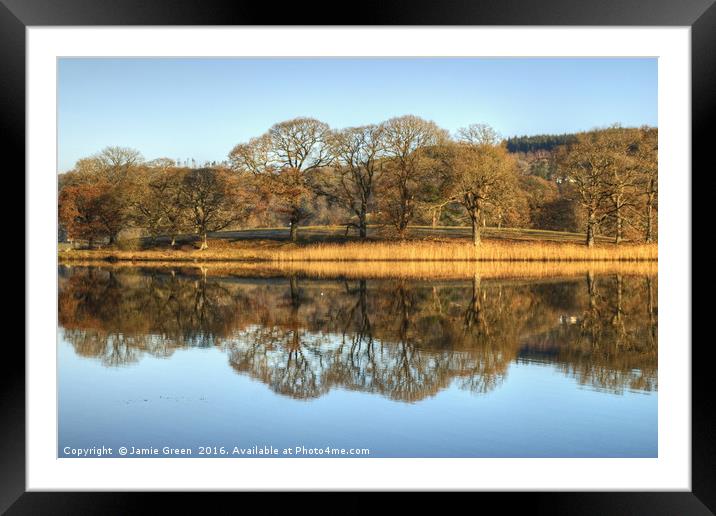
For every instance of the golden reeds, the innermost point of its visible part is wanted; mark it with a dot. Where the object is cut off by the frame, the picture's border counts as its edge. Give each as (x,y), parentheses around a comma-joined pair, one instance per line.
(449,251)
(409,251)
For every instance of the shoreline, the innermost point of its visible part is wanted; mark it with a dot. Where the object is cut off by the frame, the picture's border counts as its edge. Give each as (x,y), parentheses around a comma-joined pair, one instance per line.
(262,252)
(372,270)
(357,268)
(111,259)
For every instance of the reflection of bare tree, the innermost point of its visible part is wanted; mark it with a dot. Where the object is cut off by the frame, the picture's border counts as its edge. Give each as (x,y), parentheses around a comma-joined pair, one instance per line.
(651,310)
(486,325)
(111,349)
(614,347)
(150,312)
(283,355)
(592,320)
(289,361)
(404,340)
(618,317)
(357,344)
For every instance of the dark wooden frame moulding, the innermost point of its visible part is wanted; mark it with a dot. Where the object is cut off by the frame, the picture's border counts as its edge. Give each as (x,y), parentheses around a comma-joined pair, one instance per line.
(700,15)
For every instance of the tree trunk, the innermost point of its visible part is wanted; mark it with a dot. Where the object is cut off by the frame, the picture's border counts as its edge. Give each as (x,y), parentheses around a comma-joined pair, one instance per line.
(649,214)
(437,213)
(404,215)
(476,238)
(204,244)
(174,241)
(618,217)
(402,228)
(294,230)
(591,223)
(476,229)
(362,224)
(363,231)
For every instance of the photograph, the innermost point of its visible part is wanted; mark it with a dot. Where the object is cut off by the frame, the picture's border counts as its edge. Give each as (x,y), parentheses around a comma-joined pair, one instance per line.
(411,250)
(357,257)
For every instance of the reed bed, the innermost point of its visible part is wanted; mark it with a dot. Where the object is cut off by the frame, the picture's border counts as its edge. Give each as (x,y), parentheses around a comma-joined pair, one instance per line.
(409,251)
(450,251)
(396,270)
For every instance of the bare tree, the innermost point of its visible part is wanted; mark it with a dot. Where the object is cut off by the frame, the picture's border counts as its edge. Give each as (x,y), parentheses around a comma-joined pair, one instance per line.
(284,158)
(89,168)
(620,146)
(478,134)
(156,200)
(253,156)
(602,169)
(350,182)
(585,167)
(484,174)
(648,169)
(406,139)
(117,162)
(210,197)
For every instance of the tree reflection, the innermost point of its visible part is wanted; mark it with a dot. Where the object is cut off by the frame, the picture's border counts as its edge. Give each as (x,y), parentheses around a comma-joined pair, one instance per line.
(405,340)
(613,346)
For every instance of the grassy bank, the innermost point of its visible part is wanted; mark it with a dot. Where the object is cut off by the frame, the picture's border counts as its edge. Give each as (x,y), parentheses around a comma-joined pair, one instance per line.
(337,234)
(374,251)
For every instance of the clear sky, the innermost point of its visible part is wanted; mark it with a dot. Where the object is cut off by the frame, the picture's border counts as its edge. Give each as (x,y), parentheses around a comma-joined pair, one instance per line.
(200,108)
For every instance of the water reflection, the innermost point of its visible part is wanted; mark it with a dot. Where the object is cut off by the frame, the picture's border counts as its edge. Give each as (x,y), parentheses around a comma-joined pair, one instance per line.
(404,339)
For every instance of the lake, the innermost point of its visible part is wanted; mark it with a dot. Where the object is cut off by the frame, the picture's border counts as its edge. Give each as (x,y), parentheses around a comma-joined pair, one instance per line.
(234,362)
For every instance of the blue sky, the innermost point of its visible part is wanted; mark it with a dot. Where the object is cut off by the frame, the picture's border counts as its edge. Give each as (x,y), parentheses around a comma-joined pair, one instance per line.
(201,108)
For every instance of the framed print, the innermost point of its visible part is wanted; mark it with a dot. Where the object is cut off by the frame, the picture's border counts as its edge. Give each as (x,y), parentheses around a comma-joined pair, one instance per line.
(425,251)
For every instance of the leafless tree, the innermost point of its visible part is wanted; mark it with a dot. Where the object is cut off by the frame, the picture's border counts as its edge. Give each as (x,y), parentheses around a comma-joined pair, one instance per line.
(210,198)
(484,174)
(585,167)
(284,158)
(602,169)
(117,162)
(358,162)
(155,197)
(648,170)
(406,139)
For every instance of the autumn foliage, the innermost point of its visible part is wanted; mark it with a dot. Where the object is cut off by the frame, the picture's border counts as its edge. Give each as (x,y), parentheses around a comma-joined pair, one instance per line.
(403,172)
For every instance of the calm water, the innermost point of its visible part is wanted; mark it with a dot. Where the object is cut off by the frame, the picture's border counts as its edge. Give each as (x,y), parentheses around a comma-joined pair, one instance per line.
(152,358)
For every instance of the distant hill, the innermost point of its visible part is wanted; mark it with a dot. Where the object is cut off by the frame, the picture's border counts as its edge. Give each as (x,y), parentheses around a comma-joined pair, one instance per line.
(538,142)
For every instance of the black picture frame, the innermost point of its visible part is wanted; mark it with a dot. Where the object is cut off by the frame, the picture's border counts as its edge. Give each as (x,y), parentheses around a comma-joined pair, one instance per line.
(700,15)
